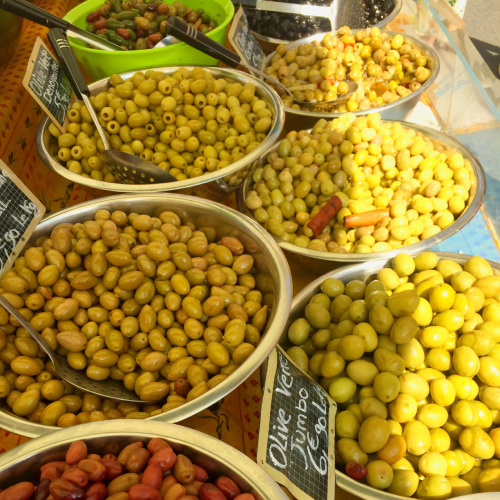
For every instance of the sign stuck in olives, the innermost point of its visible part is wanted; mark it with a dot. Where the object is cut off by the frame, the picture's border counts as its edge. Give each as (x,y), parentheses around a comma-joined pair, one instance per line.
(20,212)
(296,437)
(48,85)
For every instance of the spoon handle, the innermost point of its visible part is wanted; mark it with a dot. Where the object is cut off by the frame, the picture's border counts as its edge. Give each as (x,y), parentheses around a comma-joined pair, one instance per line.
(67,61)
(69,64)
(199,41)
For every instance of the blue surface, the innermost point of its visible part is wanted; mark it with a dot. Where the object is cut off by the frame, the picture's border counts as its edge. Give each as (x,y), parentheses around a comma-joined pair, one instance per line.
(474,239)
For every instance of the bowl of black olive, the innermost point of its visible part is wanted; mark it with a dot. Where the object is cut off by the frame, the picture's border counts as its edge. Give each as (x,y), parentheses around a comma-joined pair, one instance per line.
(274,28)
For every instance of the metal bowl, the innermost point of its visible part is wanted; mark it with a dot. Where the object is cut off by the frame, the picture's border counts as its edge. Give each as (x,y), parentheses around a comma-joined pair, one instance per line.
(23,462)
(215,185)
(396,110)
(317,260)
(269,44)
(272,277)
(347,274)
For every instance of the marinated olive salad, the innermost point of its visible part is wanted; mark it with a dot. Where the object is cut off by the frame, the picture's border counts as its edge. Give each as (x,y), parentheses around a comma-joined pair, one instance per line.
(385,67)
(369,164)
(136,472)
(139,25)
(160,305)
(188,124)
(412,357)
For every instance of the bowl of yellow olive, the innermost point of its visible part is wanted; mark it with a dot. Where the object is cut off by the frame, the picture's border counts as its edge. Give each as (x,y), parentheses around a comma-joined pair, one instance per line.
(409,348)
(391,70)
(423,185)
(180,298)
(205,126)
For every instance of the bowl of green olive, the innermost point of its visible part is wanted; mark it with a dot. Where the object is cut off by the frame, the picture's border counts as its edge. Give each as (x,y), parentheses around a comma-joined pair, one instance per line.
(205,126)
(392,70)
(429,185)
(409,348)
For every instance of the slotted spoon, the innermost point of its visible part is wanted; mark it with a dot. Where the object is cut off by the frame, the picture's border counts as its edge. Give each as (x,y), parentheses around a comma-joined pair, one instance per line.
(109,388)
(126,168)
(198,40)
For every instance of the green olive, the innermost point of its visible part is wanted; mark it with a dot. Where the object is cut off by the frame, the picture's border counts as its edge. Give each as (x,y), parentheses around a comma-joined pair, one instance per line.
(381,319)
(403,303)
(373,434)
(388,361)
(404,329)
(386,386)
(299,331)
(347,425)
(318,316)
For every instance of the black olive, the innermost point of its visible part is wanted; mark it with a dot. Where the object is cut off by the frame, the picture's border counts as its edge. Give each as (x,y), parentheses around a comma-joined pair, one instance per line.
(292,27)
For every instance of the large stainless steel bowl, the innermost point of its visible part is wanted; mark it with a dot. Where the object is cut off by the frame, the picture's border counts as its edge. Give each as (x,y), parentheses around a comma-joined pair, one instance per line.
(215,185)
(23,462)
(272,277)
(396,110)
(348,274)
(317,260)
(269,44)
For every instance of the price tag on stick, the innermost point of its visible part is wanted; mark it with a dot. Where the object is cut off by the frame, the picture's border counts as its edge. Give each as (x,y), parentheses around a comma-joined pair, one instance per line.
(297,431)
(20,212)
(48,85)
(243,41)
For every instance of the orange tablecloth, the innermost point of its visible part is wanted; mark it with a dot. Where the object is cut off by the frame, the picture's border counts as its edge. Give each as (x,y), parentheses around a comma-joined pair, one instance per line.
(235,420)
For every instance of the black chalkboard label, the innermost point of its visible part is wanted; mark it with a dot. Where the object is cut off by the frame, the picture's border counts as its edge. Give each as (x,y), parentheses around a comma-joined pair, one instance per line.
(243,41)
(297,431)
(48,85)
(20,212)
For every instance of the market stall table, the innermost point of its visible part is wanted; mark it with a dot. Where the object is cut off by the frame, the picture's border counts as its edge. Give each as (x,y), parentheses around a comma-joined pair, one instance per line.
(235,420)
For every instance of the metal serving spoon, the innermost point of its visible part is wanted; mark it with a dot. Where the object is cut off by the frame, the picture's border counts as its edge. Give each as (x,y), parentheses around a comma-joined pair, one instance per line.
(127,168)
(109,388)
(199,41)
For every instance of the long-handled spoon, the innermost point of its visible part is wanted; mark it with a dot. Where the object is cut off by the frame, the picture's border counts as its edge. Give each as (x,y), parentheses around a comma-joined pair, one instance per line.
(125,167)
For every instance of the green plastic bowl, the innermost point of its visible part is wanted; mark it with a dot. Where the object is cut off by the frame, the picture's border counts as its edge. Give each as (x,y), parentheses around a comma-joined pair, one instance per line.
(103,63)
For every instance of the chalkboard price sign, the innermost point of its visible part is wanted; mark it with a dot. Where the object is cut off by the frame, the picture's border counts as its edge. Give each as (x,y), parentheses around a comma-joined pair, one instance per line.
(243,41)
(297,436)
(48,85)
(20,212)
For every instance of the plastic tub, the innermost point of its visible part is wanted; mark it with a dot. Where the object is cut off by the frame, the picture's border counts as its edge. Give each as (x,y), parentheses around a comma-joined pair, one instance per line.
(102,63)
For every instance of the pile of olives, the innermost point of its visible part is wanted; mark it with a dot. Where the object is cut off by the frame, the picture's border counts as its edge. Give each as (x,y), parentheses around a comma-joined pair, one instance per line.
(188,124)
(369,164)
(158,304)
(412,358)
(385,67)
